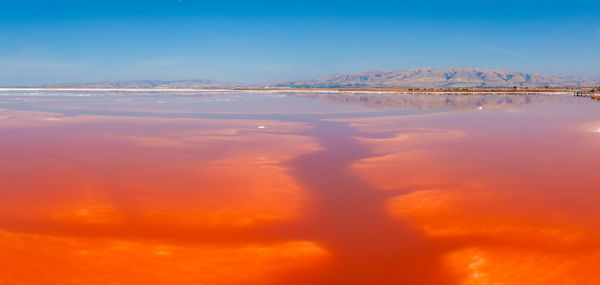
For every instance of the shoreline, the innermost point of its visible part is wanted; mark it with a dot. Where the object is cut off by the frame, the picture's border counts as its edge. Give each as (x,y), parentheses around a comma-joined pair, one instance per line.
(575,92)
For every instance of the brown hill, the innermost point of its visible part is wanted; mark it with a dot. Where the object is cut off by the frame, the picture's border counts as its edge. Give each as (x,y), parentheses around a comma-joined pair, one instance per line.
(438,78)
(194,83)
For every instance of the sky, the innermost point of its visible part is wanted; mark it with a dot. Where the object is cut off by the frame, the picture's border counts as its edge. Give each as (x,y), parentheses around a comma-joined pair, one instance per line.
(50,42)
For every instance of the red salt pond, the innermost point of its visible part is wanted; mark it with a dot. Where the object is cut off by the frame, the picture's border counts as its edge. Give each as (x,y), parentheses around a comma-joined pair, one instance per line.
(394,189)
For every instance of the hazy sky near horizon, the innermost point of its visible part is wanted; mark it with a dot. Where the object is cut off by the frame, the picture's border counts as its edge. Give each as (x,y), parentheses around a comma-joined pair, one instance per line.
(253,41)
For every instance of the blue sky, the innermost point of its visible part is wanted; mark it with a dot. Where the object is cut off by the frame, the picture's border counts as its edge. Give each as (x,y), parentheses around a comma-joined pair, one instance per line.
(253,41)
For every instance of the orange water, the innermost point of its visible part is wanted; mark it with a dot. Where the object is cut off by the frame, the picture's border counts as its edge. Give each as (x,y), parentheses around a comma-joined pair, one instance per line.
(505,195)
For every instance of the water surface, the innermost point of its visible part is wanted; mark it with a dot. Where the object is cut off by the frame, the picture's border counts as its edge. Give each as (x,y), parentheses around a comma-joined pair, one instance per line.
(249,188)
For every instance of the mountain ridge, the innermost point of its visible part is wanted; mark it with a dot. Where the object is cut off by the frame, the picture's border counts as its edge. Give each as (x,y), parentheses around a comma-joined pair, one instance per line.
(422,77)
(186,83)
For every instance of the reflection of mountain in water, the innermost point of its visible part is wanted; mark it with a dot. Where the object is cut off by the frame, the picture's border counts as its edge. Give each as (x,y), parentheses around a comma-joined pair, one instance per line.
(437,102)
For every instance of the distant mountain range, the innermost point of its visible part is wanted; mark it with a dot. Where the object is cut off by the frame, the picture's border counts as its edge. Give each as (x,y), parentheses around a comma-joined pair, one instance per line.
(412,78)
(192,83)
(439,78)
